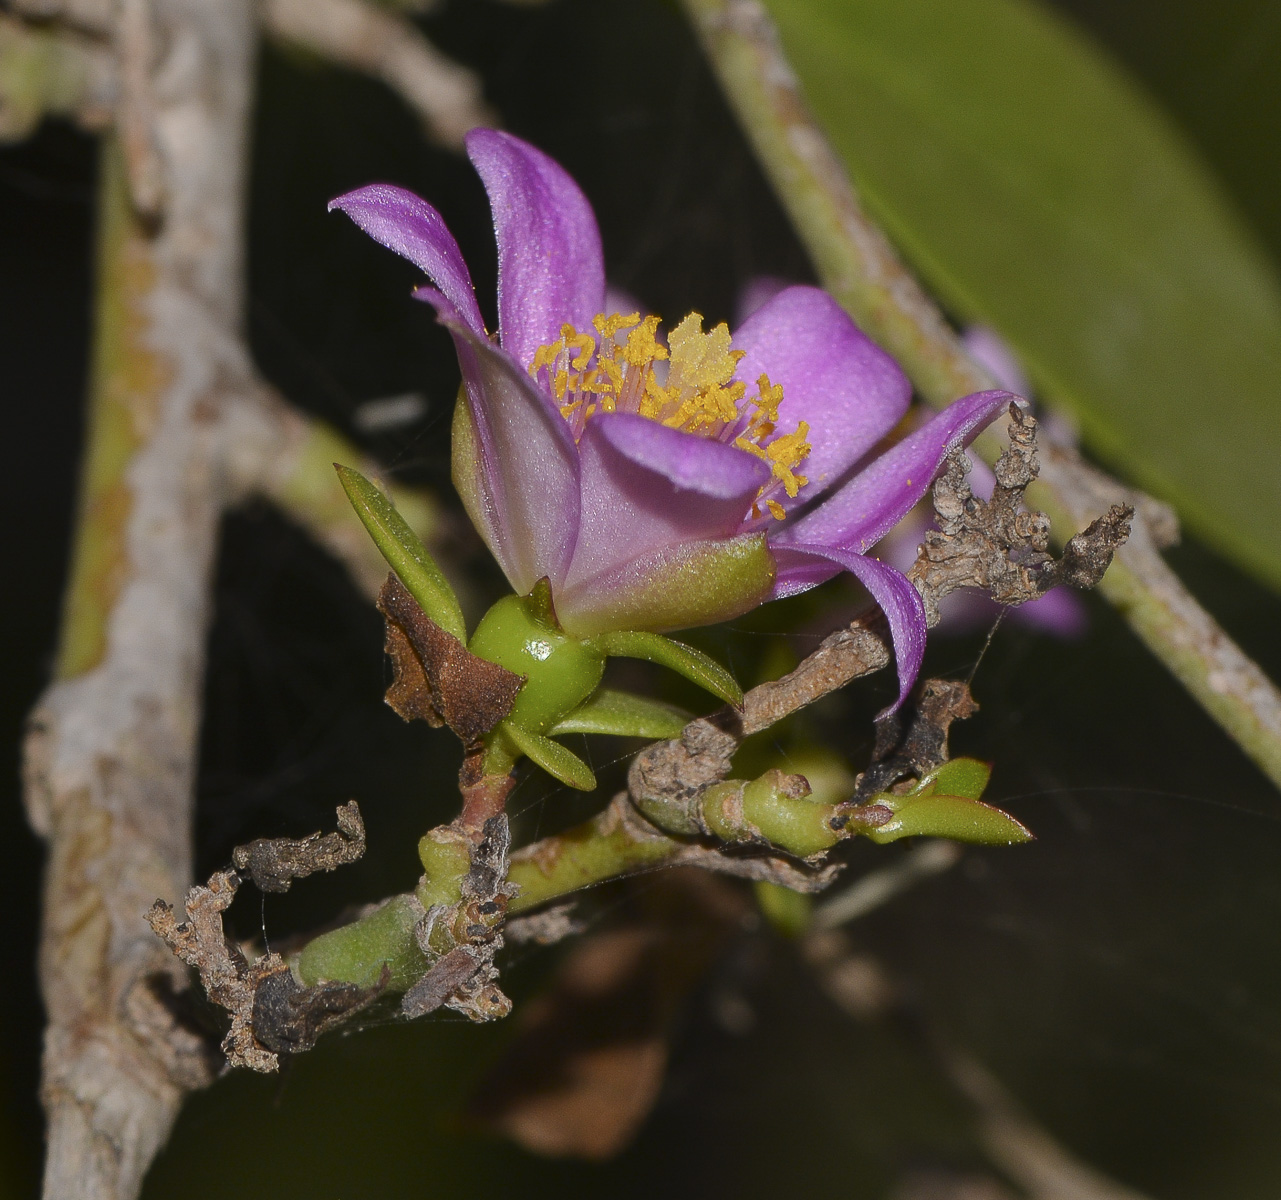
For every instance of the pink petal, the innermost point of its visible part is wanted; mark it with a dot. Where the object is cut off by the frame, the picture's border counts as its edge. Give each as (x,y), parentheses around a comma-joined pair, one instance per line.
(849,391)
(550,266)
(412,228)
(646,487)
(515,462)
(890,589)
(866,508)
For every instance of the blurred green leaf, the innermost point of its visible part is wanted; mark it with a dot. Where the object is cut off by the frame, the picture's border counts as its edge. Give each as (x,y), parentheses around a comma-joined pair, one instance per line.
(1037,189)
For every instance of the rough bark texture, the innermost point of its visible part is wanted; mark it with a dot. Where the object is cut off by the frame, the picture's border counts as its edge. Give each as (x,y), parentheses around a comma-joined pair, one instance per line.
(179,428)
(113,741)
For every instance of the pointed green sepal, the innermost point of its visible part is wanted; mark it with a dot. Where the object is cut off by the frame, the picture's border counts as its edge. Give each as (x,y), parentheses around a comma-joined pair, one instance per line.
(624,715)
(966,777)
(558,762)
(676,656)
(955,817)
(539,604)
(404,552)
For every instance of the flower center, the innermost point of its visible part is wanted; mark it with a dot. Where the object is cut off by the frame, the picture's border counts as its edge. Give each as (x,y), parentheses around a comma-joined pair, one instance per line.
(687,384)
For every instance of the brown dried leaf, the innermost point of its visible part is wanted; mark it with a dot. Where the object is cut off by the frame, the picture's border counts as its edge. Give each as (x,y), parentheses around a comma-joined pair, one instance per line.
(436,677)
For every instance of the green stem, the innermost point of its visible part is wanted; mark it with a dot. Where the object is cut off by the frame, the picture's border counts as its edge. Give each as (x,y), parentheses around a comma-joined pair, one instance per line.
(857,264)
(609,846)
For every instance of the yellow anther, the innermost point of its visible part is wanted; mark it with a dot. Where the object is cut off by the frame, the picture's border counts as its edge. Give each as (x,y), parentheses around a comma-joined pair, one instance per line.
(546,356)
(584,343)
(607,327)
(697,393)
(786,453)
(642,346)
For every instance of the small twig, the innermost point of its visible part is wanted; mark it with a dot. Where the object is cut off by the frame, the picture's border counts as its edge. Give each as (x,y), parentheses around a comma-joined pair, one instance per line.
(1024,1150)
(857,264)
(271,1012)
(363,36)
(274,863)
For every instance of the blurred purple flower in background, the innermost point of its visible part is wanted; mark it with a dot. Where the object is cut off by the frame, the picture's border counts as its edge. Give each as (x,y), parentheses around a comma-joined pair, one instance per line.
(661,483)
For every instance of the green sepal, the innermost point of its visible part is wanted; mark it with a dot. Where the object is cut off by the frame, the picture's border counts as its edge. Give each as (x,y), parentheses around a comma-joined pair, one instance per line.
(624,715)
(955,817)
(699,583)
(696,666)
(966,777)
(404,552)
(558,762)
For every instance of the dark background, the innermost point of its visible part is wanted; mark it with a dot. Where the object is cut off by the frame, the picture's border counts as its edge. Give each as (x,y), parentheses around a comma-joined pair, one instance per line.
(1121,975)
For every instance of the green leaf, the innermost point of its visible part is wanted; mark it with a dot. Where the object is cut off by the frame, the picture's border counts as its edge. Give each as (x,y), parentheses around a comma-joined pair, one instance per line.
(953,817)
(957,777)
(684,660)
(624,715)
(405,553)
(1039,190)
(558,762)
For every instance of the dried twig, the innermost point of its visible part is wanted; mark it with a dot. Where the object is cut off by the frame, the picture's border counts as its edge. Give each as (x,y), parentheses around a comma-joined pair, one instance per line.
(994,545)
(271,1013)
(857,264)
(274,863)
(444,94)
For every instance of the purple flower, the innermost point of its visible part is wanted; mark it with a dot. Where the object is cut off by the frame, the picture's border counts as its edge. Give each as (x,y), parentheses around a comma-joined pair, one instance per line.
(661,484)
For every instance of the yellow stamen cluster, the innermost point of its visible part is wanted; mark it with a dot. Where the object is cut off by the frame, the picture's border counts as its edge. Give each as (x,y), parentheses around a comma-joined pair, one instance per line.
(694,390)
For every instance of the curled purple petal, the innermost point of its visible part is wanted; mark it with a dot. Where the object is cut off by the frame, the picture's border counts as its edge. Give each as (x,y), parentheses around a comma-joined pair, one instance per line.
(849,391)
(412,228)
(866,508)
(550,265)
(647,487)
(515,463)
(891,589)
